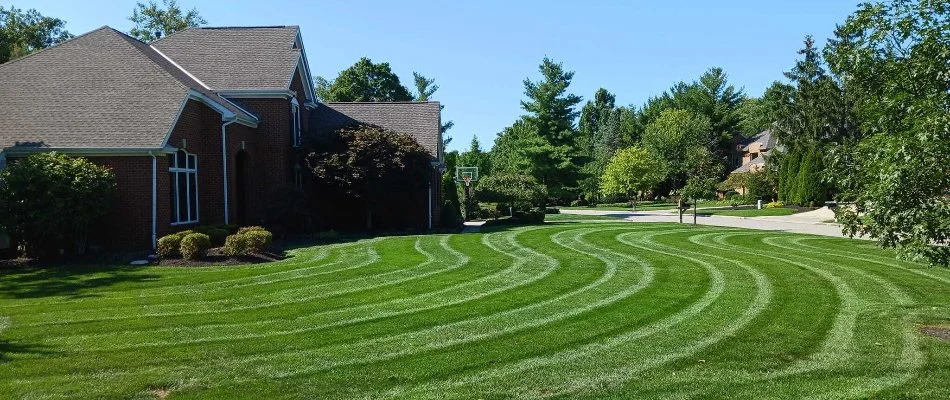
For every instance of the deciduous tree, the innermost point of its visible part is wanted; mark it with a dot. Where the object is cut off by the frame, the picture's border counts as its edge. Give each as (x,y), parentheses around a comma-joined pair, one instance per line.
(23,32)
(153,22)
(895,55)
(363,81)
(631,172)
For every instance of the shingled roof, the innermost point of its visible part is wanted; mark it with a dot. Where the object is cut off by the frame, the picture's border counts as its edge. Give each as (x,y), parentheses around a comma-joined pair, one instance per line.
(765,138)
(236,58)
(102,89)
(422,120)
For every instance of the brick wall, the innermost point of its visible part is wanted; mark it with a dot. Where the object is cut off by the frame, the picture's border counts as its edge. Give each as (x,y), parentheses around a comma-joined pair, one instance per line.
(128,223)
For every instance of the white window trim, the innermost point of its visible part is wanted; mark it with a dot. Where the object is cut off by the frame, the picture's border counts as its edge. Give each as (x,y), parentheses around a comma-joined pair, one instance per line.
(295,128)
(188,188)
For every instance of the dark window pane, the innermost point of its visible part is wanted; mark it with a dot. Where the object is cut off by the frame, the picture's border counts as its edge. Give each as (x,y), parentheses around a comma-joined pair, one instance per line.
(192,160)
(173,195)
(171,161)
(182,197)
(193,185)
(181,159)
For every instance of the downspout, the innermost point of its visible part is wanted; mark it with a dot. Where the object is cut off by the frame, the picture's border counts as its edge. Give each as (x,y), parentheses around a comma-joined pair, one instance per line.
(154,200)
(224,159)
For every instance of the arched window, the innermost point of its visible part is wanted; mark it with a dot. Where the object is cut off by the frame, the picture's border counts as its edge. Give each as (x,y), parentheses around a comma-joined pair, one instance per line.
(183,177)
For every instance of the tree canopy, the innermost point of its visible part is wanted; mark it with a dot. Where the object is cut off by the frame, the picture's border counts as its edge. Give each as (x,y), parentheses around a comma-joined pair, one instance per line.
(672,136)
(23,32)
(895,57)
(153,21)
(632,171)
(370,164)
(364,81)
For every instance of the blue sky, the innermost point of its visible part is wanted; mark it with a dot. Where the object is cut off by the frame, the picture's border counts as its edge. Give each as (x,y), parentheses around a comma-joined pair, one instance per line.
(479,52)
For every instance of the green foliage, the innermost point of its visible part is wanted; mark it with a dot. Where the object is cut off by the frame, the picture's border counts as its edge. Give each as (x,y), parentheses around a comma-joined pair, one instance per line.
(476,157)
(371,164)
(814,110)
(775,204)
(632,171)
(364,81)
(671,136)
(23,32)
(425,88)
(247,229)
(194,246)
(811,190)
(702,174)
(153,22)
(258,241)
(517,190)
(168,246)
(216,233)
(895,56)
(788,184)
(594,117)
(236,245)
(451,207)
(49,201)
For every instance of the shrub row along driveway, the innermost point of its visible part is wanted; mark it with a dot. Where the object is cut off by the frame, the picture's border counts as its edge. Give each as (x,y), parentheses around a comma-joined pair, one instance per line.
(573,309)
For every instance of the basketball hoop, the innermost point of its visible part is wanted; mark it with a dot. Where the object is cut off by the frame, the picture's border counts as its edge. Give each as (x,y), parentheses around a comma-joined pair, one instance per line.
(468,180)
(466,174)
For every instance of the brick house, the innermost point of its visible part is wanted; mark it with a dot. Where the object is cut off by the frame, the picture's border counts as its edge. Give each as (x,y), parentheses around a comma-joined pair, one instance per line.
(199,127)
(749,154)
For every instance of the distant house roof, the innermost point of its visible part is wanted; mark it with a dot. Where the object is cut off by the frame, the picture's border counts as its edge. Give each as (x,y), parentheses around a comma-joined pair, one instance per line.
(237,58)
(760,160)
(422,120)
(102,89)
(765,138)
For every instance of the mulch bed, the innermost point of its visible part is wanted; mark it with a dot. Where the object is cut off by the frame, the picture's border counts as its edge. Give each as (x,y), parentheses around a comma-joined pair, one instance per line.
(938,332)
(215,257)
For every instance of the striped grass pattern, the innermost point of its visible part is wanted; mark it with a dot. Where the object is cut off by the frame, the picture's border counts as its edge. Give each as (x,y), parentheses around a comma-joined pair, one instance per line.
(567,310)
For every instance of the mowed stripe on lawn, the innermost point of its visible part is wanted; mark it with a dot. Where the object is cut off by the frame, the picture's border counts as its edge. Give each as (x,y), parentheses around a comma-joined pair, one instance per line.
(560,310)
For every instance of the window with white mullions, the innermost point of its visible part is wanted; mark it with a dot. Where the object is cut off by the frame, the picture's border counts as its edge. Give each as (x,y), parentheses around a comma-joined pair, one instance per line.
(183,179)
(295,120)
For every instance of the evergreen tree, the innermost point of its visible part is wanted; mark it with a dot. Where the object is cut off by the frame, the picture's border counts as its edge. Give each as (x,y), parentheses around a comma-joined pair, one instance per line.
(790,178)
(476,157)
(811,188)
(594,116)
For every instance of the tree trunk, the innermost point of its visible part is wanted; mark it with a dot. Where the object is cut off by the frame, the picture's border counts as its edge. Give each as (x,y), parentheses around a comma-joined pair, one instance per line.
(679,207)
(633,202)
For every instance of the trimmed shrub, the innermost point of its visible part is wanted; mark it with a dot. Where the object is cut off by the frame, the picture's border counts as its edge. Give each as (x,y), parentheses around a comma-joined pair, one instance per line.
(258,241)
(552,210)
(534,216)
(168,246)
(216,233)
(195,246)
(236,245)
(247,229)
(775,204)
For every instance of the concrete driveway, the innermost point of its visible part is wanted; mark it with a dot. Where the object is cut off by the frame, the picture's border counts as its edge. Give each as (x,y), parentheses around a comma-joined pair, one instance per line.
(809,222)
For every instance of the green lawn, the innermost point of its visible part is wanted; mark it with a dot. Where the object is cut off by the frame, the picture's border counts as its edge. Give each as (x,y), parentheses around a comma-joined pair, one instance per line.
(748,212)
(566,310)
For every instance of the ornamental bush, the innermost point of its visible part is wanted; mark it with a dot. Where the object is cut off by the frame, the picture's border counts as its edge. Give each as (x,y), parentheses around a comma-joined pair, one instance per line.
(236,245)
(50,201)
(194,246)
(247,229)
(168,246)
(258,241)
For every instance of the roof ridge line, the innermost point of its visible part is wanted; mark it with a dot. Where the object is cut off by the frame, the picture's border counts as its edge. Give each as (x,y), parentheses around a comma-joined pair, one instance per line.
(190,75)
(9,62)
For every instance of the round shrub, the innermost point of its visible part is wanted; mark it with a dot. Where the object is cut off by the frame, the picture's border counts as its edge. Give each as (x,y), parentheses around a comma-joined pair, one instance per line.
(258,241)
(247,229)
(168,246)
(236,245)
(195,246)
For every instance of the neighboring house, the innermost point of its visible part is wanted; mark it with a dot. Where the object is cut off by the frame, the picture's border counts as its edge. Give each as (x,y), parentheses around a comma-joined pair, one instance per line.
(749,155)
(200,127)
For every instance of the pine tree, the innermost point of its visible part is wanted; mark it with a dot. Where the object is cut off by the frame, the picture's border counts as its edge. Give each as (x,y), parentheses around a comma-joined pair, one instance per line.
(810,187)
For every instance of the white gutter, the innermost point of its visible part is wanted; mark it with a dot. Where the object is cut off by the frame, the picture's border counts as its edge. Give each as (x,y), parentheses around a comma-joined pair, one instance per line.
(224,159)
(154,201)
